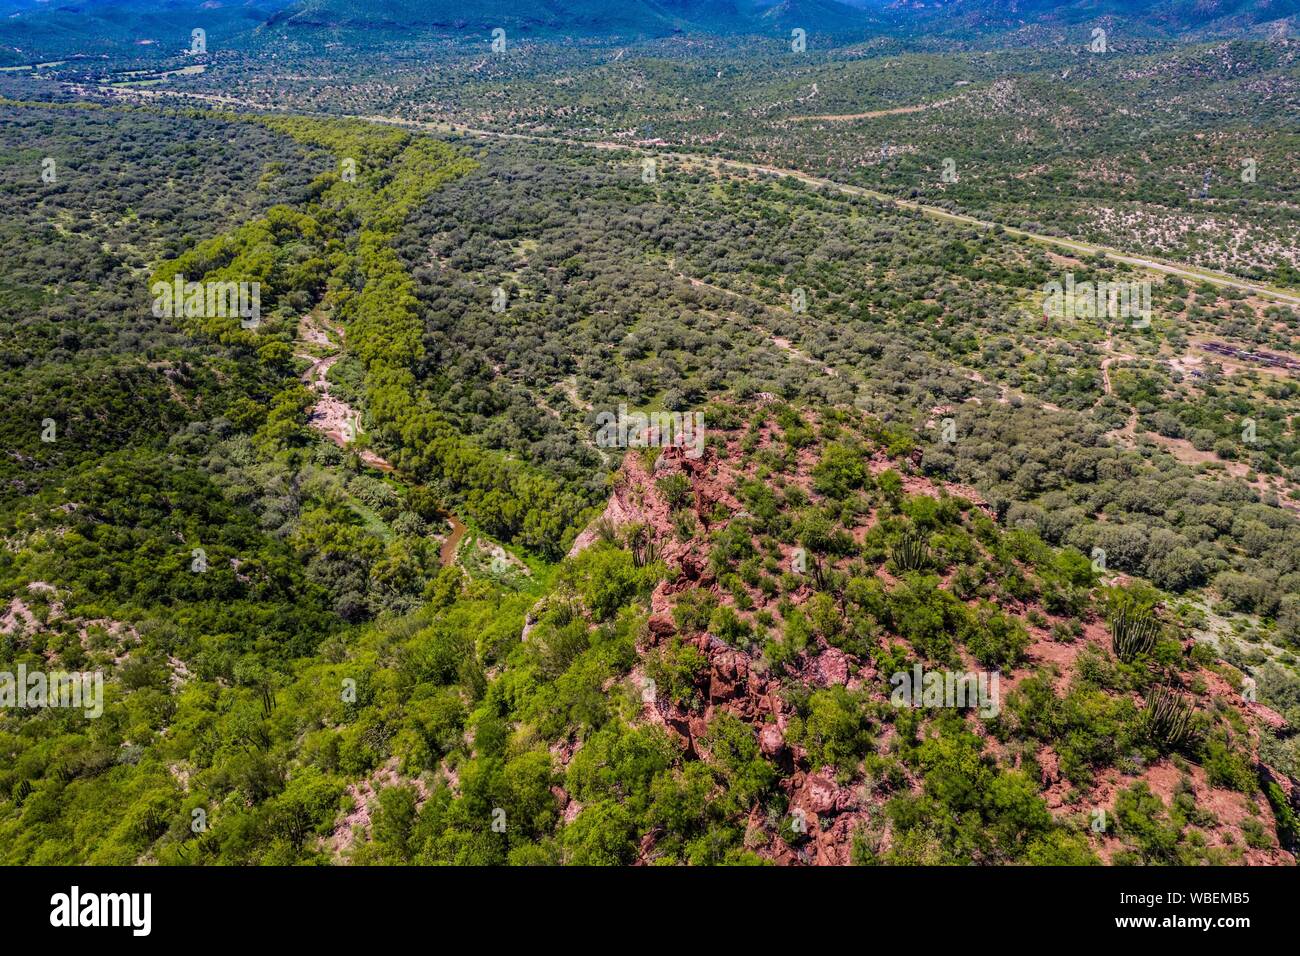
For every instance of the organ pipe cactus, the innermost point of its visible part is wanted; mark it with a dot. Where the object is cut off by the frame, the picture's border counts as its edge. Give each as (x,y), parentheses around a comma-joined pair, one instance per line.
(1167,718)
(1132,634)
(909,552)
(642,544)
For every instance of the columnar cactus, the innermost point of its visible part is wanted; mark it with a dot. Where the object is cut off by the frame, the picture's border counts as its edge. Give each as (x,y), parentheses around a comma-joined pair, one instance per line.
(1167,719)
(1133,633)
(910,552)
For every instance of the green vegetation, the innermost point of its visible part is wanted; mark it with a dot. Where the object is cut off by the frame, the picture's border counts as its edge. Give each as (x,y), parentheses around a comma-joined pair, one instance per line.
(905,468)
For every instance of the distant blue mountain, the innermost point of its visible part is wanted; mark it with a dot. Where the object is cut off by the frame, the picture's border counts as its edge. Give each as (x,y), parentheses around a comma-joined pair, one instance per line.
(43,28)
(651,17)
(1169,16)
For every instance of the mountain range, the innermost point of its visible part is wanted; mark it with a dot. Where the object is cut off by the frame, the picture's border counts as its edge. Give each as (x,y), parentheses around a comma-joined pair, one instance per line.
(35,28)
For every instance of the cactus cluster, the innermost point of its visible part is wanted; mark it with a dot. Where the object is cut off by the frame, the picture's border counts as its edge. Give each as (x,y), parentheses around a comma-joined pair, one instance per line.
(641,542)
(1167,719)
(1132,634)
(910,552)
(820,575)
